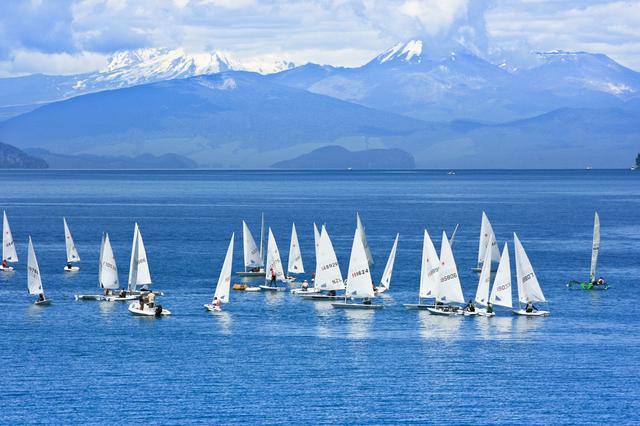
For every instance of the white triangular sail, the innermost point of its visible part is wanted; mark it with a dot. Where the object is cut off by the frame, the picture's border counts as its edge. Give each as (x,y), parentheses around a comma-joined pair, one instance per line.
(34,281)
(252,256)
(450,289)
(359,284)
(138,267)
(328,275)
(487,241)
(528,286)
(595,247)
(108,275)
(385,282)
(72,251)
(316,242)
(501,290)
(360,227)
(224,280)
(484,282)
(273,259)
(8,246)
(429,276)
(295,256)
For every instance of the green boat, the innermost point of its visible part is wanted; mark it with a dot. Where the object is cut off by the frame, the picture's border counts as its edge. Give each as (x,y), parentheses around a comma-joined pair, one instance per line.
(593,283)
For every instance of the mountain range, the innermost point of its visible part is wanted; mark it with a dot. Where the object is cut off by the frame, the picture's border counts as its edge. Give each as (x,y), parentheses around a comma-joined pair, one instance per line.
(451,110)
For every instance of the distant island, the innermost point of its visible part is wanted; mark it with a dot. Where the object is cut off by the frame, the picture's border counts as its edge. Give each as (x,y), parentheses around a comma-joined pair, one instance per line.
(14,158)
(637,166)
(337,157)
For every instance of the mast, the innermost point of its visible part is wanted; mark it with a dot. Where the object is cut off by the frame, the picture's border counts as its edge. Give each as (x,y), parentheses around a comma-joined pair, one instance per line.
(262,239)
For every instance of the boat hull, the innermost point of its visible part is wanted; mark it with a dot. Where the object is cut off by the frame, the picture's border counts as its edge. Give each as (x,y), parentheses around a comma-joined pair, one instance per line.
(120,299)
(524,313)
(212,308)
(252,289)
(269,288)
(72,269)
(587,286)
(361,306)
(320,297)
(7,269)
(250,274)
(442,312)
(134,308)
(95,297)
(310,290)
(418,306)
(45,302)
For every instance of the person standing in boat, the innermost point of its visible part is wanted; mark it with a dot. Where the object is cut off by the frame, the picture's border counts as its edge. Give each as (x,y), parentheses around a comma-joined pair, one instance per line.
(489,308)
(151,299)
(273,277)
(142,300)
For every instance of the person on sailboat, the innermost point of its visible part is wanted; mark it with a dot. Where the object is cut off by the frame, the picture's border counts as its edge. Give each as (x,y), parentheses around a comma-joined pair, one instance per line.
(123,293)
(151,299)
(273,277)
(600,281)
(142,300)
(366,301)
(304,286)
(470,307)
(489,308)
(69,265)
(41,297)
(5,264)
(530,307)
(107,292)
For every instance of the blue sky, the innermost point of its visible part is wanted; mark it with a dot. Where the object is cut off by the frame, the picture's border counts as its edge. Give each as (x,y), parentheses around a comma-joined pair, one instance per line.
(68,36)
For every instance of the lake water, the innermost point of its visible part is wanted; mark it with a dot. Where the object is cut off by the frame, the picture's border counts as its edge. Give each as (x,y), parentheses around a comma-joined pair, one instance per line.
(273,358)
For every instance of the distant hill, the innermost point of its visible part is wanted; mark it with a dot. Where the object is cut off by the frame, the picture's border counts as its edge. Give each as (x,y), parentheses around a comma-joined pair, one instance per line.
(86,161)
(337,157)
(14,158)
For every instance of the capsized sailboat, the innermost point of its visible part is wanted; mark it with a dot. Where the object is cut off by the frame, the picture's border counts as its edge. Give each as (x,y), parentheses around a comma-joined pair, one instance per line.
(9,254)
(72,251)
(385,281)
(222,293)
(275,273)
(328,276)
(529,291)
(429,274)
(449,289)
(253,257)
(295,265)
(359,282)
(34,280)
(487,242)
(593,283)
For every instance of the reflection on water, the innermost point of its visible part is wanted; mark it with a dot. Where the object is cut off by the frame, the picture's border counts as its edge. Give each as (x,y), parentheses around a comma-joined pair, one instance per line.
(224,320)
(359,322)
(439,327)
(528,324)
(274,298)
(502,326)
(34,310)
(107,308)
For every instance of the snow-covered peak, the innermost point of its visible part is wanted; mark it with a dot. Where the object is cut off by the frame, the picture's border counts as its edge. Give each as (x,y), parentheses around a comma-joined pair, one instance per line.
(410,51)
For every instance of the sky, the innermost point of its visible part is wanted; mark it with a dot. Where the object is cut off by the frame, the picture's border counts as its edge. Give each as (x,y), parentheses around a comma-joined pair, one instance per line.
(72,36)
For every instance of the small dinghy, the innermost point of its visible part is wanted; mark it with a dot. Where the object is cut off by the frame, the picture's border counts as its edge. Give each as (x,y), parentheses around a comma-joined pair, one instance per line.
(274,266)
(222,293)
(487,243)
(9,254)
(107,274)
(501,290)
(529,290)
(301,291)
(34,281)
(449,289)
(253,258)
(429,277)
(593,283)
(359,278)
(328,278)
(148,311)
(252,289)
(321,296)
(72,251)
(445,310)
(385,281)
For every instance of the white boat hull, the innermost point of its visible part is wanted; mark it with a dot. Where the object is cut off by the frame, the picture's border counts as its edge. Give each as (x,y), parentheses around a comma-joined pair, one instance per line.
(252,289)
(442,312)
(310,290)
(212,308)
(134,308)
(320,297)
(344,305)
(96,297)
(484,313)
(269,288)
(250,274)
(418,306)
(115,298)
(470,314)
(7,269)
(72,269)
(524,313)
(45,302)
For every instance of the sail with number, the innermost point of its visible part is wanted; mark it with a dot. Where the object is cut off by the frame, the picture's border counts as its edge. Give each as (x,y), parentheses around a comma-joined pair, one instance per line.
(449,289)
(487,241)
(385,282)
(595,247)
(328,275)
(501,291)
(138,267)
(359,284)
(484,282)
(72,251)
(252,256)
(8,245)
(360,227)
(295,256)
(528,286)
(429,275)
(108,270)
(273,259)
(34,281)
(224,280)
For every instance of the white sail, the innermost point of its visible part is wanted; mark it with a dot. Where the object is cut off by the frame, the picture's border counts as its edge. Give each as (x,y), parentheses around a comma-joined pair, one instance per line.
(487,241)
(261,238)
(328,275)
(501,291)
(8,246)
(429,276)
(295,256)
(359,284)
(273,259)
(528,286)
(385,282)
(364,239)
(450,289)
(224,280)
(34,281)
(252,256)
(108,275)
(595,247)
(484,283)
(100,258)
(72,251)
(316,242)
(138,267)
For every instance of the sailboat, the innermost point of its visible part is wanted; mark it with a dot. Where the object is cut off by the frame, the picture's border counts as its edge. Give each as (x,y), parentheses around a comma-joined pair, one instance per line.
(305,289)
(359,283)
(221,294)
(429,274)
(529,290)
(449,289)
(273,266)
(139,276)
(363,236)
(34,281)
(295,265)
(487,242)
(501,290)
(328,276)
(253,258)
(107,275)
(593,283)
(385,281)
(72,251)
(8,246)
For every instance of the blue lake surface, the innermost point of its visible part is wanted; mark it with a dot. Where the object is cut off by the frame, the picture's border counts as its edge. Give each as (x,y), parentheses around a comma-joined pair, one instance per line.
(273,358)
